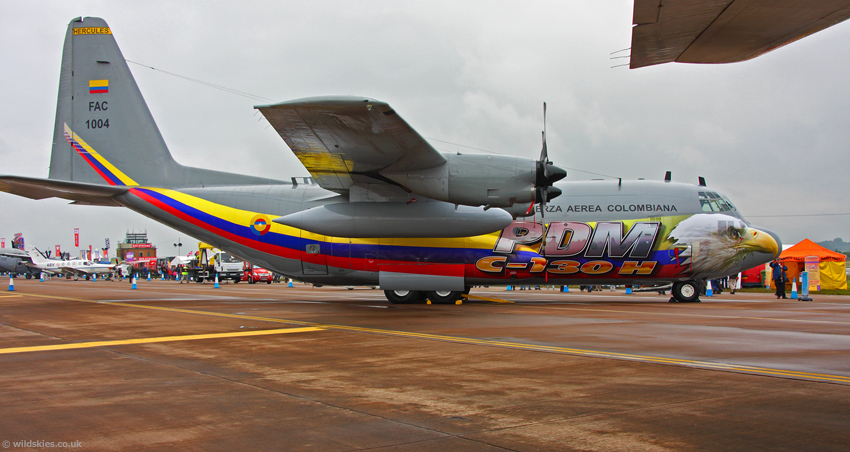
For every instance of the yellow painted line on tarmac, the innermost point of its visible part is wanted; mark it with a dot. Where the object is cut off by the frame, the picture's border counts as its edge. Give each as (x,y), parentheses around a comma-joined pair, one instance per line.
(494,300)
(737,317)
(600,354)
(153,340)
(513,345)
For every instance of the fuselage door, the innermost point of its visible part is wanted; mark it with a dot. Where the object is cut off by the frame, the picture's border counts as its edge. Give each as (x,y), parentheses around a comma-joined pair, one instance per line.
(314,255)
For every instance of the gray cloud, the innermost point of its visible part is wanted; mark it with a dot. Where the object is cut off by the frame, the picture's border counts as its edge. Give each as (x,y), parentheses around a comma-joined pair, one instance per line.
(770,133)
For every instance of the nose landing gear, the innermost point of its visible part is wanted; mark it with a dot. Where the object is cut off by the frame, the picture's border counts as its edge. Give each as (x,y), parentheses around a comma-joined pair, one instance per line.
(685,292)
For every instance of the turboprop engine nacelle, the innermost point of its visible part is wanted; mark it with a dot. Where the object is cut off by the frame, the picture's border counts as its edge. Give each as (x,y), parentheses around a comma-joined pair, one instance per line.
(475,180)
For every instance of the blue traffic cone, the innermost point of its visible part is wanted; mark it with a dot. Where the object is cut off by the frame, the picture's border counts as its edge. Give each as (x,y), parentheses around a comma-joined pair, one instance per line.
(708,291)
(149,276)
(94,277)
(41,276)
(134,282)
(290,283)
(565,289)
(794,295)
(510,288)
(628,290)
(11,283)
(216,282)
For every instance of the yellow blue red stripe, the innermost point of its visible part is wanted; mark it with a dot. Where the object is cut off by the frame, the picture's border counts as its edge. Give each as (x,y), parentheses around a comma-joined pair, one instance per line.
(238,226)
(110,173)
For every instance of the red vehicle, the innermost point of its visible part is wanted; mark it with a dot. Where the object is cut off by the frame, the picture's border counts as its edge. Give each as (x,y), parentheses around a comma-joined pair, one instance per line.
(257,274)
(752,277)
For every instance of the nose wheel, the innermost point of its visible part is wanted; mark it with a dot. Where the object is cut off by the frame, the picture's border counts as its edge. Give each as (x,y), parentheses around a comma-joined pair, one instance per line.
(685,292)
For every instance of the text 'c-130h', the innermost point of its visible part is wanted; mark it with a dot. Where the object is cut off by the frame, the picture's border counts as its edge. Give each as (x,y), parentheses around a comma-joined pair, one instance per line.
(383,207)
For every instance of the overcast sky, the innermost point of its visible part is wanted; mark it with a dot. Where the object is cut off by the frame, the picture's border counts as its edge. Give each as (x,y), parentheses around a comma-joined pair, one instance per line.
(771,133)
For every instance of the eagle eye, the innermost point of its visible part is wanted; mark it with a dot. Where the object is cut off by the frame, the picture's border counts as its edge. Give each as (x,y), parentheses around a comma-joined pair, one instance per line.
(733,233)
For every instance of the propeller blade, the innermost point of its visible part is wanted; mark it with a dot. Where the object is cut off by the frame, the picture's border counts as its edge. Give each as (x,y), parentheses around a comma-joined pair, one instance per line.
(544,153)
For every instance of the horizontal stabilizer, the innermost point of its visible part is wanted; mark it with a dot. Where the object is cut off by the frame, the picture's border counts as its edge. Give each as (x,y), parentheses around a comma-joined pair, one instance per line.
(79,192)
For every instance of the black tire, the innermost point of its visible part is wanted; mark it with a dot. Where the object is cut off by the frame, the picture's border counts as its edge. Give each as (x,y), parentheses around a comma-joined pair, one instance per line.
(404,296)
(28,276)
(269,281)
(686,292)
(444,296)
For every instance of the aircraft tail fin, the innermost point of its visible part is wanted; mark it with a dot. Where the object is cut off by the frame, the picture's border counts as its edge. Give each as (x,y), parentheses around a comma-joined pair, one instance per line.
(35,255)
(104,132)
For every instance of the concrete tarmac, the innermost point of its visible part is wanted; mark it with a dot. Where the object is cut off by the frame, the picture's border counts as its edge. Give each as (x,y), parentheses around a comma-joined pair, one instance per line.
(99,366)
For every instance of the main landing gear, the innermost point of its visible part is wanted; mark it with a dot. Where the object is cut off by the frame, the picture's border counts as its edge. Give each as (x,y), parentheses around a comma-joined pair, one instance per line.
(685,292)
(418,296)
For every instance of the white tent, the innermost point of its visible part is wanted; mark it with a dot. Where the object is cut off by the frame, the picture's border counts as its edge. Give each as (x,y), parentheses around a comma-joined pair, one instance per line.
(180,260)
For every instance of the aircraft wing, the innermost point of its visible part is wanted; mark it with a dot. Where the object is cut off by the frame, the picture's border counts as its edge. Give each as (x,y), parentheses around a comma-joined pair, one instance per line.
(724,31)
(46,270)
(79,192)
(345,140)
(72,271)
(15,253)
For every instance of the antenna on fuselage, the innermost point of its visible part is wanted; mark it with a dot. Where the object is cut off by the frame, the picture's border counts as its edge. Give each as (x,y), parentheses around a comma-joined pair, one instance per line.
(668,176)
(702,181)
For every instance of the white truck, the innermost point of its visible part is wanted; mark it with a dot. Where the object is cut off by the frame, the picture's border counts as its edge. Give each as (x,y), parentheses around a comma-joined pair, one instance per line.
(211,262)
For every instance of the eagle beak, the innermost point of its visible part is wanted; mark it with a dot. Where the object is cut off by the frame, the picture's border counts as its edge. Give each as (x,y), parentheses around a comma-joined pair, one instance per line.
(759,241)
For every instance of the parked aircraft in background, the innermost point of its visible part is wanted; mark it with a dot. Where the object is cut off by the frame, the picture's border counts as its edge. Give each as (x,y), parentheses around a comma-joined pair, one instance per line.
(15,261)
(383,207)
(75,267)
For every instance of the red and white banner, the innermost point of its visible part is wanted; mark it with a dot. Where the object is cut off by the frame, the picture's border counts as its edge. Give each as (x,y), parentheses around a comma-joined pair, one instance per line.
(142,245)
(2,243)
(77,237)
(58,251)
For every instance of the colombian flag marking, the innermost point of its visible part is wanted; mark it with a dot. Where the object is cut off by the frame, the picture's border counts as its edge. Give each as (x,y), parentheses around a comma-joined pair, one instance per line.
(98,86)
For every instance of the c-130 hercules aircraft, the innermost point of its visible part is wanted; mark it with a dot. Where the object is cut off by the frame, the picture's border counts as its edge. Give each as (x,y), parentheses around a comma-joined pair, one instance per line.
(383,207)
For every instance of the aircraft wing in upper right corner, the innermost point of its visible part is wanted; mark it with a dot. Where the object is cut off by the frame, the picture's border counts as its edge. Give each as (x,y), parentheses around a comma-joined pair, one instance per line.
(724,31)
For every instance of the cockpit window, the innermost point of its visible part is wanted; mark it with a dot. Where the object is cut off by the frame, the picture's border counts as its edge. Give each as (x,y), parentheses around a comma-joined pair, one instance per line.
(710,201)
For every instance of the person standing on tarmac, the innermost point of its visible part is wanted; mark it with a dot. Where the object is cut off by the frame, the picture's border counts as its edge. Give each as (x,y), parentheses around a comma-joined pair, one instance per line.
(779,278)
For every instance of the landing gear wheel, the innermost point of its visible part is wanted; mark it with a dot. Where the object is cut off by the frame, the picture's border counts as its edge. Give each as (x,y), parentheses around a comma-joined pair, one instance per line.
(404,296)
(444,296)
(686,292)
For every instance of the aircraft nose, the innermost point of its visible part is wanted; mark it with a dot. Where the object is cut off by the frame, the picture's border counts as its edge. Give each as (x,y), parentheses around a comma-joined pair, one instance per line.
(770,247)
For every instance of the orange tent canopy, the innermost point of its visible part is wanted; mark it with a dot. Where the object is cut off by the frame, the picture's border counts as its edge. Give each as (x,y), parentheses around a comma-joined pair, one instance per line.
(800,251)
